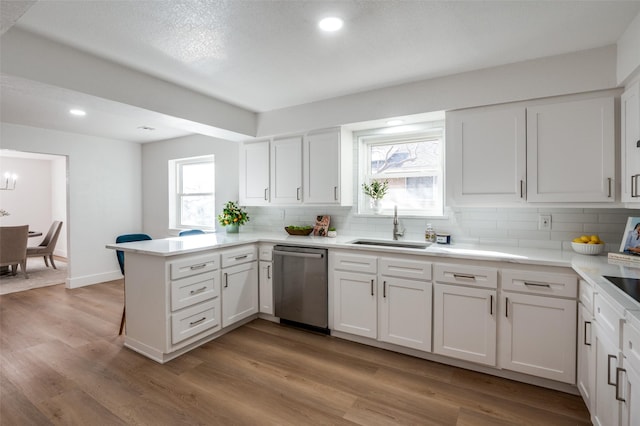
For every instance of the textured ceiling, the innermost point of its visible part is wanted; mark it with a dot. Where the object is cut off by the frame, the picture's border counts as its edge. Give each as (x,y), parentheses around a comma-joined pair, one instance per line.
(265,55)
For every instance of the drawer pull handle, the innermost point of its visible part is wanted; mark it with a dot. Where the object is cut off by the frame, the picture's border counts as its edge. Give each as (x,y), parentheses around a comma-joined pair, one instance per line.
(521,188)
(384,289)
(200,290)
(491,304)
(464,276)
(537,285)
(266,192)
(335,193)
(506,307)
(618,381)
(585,333)
(609,180)
(200,266)
(298,193)
(609,358)
(269,272)
(226,280)
(244,256)
(191,324)
(372,287)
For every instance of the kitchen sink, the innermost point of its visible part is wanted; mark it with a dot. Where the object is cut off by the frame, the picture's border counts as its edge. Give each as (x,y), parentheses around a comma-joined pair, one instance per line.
(388,243)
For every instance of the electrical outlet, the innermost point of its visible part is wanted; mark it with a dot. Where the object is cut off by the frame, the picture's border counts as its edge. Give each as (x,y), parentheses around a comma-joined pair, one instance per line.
(544,222)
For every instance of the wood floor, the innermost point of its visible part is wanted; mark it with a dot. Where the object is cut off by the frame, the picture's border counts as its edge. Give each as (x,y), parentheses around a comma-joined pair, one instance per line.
(62,362)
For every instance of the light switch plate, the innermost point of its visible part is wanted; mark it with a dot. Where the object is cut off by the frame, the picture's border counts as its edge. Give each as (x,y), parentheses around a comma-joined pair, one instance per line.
(544,222)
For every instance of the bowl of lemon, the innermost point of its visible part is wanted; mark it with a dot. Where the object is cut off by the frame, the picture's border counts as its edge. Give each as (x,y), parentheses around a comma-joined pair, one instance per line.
(588,244)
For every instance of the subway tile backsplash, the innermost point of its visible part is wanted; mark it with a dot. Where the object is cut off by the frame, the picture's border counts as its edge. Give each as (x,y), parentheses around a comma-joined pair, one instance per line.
(515,227)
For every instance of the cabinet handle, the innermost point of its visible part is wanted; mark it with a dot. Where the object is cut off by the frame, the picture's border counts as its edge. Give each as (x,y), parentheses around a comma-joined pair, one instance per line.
(521,188)
(491,304)
(266,194)
(506,307)
(609,358)
(191,324)
(634,186)
(609,181)
(384,289)
(226,280)
(537,284)
(194,267)
(268,272)
(618,381)
(244,256)
(464,276)
(298,193)
(372,287)
(335,193)
(200,290)
(585,333)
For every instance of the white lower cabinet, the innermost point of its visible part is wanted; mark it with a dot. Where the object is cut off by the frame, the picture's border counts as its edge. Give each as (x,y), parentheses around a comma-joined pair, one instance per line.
(538,330)
(464,312)
(265,279)
(629,376)
(239,284)
(586,357)
(355,307)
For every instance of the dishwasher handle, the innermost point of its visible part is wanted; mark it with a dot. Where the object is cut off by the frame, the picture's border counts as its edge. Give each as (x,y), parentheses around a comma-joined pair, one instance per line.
(295,254)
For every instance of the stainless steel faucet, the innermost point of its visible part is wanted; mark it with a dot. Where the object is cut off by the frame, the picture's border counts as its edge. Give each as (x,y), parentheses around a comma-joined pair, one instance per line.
(396,232)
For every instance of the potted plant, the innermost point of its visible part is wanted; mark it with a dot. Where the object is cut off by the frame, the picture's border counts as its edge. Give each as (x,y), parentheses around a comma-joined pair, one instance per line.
(232,217)
(332,233)
(376,190)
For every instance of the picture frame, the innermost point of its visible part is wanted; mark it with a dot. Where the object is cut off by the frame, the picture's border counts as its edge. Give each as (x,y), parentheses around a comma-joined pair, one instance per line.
(630,243)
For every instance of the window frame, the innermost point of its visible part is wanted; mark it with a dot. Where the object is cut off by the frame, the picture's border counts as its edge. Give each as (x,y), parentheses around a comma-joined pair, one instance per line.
(427,131)
(176,167)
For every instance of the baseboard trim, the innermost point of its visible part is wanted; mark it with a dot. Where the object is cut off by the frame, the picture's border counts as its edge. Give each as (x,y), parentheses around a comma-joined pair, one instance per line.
(86,280)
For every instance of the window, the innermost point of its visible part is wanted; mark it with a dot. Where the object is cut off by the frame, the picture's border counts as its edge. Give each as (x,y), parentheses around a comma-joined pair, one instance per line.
(192,183)
(412,163)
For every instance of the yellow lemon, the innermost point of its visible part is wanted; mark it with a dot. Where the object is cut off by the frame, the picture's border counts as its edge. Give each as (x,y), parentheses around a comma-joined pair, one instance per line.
(585,239)
(577,240)
(595,238)
(592,242)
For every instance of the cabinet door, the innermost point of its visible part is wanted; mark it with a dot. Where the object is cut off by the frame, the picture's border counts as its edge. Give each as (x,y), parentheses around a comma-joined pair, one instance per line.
(239,292)
(405,312)
(606,409)
(630,147)
(570,151)
(266,287)
(538,336)
(586,360)
(486,156)
(464,323)
(354,303)
(254,173)
(286,170)
(321,165)
(631,404)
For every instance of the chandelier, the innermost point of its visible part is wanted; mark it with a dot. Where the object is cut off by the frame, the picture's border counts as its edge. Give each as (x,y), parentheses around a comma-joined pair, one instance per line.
(9,182)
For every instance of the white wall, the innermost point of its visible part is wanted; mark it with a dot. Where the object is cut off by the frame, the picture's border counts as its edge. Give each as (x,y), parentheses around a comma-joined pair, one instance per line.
(105,194)
(155,176)
(628,60)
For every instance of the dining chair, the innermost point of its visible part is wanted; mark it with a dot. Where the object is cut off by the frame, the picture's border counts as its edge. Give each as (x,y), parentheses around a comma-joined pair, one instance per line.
(48,245)
(126,238)
(13,248)
(190,232)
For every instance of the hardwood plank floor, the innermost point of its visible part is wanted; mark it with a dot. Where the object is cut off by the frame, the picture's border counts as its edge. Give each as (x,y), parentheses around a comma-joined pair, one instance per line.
(62,362)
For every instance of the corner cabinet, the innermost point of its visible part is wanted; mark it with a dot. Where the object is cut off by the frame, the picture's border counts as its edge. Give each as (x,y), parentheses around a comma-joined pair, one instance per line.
(239,284)
(327,168)
(571,151)
(630,145)
(486,158)
(254,174)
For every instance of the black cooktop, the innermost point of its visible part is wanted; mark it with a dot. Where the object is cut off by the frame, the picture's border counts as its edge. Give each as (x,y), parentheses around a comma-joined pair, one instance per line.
(631,286)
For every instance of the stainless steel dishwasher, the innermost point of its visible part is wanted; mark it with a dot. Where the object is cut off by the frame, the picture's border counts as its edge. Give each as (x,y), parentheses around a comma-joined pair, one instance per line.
(300,286)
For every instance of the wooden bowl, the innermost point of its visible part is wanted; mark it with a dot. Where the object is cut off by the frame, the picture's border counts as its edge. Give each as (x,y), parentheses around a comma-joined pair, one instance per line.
(298,231)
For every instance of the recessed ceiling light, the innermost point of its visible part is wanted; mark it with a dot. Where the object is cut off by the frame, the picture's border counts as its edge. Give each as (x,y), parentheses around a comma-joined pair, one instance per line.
(395,122)
(78,112)
(146,128)
(330,24)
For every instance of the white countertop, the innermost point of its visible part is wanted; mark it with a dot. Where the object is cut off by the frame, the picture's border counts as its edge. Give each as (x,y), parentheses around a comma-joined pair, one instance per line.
(590,268)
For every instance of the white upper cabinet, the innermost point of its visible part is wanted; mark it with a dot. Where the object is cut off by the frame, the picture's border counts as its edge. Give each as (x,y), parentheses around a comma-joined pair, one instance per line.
(254,173)
(324,179)
(570,151)
(286,170)
(630,147)
(486,152)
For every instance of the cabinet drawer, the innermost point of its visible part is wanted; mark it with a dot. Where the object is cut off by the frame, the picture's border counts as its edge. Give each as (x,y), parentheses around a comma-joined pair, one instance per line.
(543,283)
(193,265)
(608,318)
(191,290)
(466,275)
(240,255)
(412,269)
(631,342)
(265,252)
(194,320)
(354,262)
(586,295)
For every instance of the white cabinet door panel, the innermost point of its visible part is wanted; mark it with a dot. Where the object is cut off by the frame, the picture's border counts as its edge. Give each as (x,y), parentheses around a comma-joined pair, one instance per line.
(321,166)
(286,170)
(630,145)
(254,173)
(239,292)
(354,303)
(266,287)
